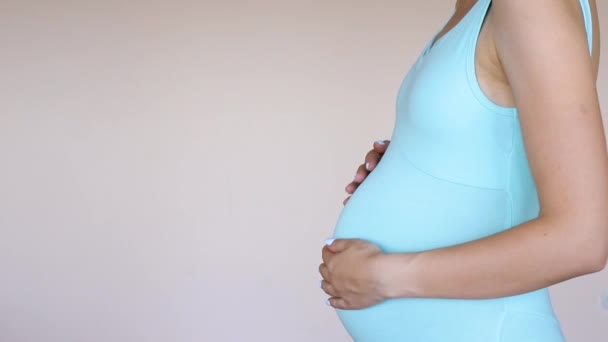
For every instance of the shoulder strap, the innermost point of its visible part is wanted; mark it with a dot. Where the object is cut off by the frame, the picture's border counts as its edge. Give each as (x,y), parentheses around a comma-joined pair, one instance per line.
(587,15)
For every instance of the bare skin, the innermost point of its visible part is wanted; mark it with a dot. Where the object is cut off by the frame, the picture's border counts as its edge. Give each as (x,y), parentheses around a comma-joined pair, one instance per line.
(521,47)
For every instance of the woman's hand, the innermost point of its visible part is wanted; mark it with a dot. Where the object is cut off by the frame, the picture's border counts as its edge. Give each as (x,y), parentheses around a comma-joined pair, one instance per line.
(354,274)
(371,160)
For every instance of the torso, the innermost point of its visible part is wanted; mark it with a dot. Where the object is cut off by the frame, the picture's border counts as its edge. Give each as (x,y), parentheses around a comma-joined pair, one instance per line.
(456,171)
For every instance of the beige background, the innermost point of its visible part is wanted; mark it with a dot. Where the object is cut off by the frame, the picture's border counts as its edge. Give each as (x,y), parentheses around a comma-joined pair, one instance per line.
(170,169)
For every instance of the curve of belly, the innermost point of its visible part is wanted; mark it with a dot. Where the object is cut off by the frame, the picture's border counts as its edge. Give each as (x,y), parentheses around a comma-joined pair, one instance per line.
(402,209)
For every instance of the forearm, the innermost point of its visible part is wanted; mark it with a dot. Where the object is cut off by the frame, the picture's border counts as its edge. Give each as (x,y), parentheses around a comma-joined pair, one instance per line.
(530,256)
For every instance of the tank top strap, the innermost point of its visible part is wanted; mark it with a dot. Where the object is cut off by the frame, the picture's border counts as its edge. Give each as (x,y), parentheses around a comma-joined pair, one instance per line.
(588,16)
(470,48)
(480,17)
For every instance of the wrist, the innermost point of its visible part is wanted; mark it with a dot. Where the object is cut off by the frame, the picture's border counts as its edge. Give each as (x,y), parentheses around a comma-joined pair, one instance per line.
(400,275)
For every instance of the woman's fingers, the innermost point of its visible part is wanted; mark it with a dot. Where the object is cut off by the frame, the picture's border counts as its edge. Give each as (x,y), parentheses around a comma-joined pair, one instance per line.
(373,157)
(350,188)
(361,174)
(346,200)
(380,146)
(328,288)
(324,271)
(338,303)
(371,160)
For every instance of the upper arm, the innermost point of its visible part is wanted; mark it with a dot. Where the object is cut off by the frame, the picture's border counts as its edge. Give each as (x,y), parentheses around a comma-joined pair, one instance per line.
(542,46)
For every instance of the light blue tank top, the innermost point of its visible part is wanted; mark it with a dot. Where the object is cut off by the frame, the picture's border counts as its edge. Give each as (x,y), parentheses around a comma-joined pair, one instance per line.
(456,170)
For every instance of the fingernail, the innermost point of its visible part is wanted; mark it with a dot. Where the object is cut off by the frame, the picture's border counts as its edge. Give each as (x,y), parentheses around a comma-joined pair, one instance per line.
(329,241)
(327,302)
(367,166)
(355,178)
(381,142)
(321,284)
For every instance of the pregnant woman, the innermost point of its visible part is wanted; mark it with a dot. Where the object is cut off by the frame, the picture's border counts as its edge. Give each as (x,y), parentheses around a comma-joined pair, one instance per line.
(493,187)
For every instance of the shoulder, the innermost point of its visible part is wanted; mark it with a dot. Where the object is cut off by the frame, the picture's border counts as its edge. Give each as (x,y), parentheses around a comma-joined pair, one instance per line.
(541,44)
(550,17)
(553,19)
(537,30)
(539,5)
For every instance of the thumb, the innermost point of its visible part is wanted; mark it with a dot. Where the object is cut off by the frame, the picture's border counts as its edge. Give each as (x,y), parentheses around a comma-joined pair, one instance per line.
(337,245)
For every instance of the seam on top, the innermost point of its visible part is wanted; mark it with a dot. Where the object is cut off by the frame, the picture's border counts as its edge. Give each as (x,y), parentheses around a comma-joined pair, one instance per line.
(433,42)
(436,42)
(552,318)
(403,154)
(514,129)
(471,71)
(501,322)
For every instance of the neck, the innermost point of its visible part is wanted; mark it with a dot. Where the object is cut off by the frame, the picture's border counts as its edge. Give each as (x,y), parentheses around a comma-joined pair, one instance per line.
(464,4)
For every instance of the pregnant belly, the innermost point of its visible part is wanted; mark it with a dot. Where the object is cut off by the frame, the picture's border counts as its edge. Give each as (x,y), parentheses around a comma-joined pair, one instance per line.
(403,209)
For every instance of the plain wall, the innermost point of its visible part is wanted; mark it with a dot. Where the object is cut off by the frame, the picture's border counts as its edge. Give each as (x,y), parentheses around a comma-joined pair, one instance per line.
(170,169)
